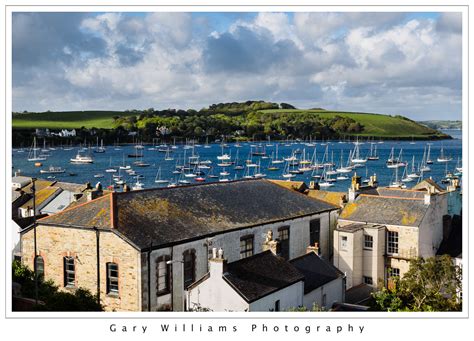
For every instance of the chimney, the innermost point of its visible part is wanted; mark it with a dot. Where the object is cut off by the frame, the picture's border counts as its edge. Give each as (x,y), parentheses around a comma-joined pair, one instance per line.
(270,244)
(76,196)
(373,181)
(427,198)
(126,188)
(313,248)
(92,194)
(313,185)
(217,263)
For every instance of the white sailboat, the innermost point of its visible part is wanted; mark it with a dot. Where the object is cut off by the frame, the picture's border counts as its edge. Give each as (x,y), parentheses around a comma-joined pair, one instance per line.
(32,156)
(443,158)
(356,158)
(373,152)
(413,174)
(158,178)
(138,185)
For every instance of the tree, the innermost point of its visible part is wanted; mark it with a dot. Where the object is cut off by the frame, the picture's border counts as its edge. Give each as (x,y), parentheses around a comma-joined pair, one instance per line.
(54,300)
(432,284)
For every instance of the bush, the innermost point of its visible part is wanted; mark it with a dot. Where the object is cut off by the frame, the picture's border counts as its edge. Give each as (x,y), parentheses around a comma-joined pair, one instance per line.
(78,300)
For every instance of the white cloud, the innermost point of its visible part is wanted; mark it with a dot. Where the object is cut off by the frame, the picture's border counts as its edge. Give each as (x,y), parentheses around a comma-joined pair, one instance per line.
(351,61)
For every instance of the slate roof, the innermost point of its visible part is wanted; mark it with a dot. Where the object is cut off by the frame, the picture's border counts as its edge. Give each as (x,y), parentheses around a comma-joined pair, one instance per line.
(427,183)
(260,275)
(165,216)
(299,186)
(95,213)
(42,196)
(385,210)
(316,271)
(333,198)
(401,193)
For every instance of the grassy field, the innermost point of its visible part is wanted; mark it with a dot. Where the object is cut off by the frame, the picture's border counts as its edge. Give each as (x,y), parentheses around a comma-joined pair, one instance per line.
(67,119)
(376,125)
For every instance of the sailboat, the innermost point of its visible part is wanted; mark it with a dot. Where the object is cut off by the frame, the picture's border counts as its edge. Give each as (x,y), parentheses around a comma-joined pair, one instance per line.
(32,156)
(396,183)
(413,174)
(276,160)
(405,176)
(258,173)
(138,185)
(459,167)
(100,149)
(158,178)
(356,154)
(286,172)
(423,166)
(326,180)
(442,158)
(395,162)
(428,160)
(373,152)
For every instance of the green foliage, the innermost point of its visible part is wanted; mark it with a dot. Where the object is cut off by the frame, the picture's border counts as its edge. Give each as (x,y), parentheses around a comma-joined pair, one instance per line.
(315,307)
(431,284)
(78,300)
(251,119)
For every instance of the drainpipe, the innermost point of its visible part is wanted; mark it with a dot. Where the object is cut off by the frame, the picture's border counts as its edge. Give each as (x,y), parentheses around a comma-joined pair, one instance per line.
(33,189)
(97,243)
(149,276)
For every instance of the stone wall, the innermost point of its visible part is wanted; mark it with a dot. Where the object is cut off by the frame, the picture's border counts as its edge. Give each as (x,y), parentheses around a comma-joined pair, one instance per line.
(54,243)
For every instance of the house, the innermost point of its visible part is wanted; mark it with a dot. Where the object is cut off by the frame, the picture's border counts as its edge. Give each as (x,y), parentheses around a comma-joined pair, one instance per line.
(267,282)
(381,229)
(324,284)
(262,282)
(145,246)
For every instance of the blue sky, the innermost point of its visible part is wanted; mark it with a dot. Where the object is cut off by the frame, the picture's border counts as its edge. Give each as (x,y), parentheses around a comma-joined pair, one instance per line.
(393,63)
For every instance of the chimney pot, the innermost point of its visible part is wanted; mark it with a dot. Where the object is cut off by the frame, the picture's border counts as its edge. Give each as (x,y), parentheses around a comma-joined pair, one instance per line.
(214,253)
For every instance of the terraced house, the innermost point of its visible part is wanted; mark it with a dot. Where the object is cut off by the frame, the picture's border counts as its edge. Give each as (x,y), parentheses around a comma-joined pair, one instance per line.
(381,229)
(141,250)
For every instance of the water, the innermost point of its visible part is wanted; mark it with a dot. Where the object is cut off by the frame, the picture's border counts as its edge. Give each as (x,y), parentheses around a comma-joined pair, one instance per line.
(85,172)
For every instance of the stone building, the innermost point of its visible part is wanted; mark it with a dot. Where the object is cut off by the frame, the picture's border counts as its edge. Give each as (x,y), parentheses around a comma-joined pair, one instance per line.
(139,249)
(381,229)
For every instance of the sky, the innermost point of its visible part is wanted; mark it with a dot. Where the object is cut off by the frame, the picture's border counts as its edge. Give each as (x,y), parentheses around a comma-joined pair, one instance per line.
(387,62)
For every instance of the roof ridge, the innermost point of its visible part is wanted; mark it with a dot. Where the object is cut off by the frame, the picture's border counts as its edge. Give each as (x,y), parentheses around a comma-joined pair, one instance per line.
(388,197)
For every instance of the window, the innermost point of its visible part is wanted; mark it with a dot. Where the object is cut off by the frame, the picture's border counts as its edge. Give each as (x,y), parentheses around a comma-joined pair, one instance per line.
(246,246)
(189,265)
(284,238)
(392,242)
(343,243)
(163,275)
(69,272)
(392,272)
(314,231)
(368,242)
(112,278)
(277,305)
(368,280)
(39,267)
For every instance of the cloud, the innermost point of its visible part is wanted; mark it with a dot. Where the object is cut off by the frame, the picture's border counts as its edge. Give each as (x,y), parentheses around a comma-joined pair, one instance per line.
(386,62)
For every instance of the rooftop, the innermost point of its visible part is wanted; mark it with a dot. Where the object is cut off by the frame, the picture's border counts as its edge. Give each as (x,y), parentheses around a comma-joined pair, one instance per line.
(260,275)
(385,210)
(357,226)
(316,271)
(333,198)
(164,216)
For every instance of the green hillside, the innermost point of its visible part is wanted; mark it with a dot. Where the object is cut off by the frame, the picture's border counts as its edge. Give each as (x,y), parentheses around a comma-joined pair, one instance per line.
(256,119)
(376,125)
(67,119)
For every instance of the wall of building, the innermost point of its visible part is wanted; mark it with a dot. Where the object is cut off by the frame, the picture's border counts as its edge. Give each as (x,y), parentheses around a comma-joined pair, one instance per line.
(54,243)
(290,297)
(334,291)
(217,295)
(230,243)
(349,260)
(431,228)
